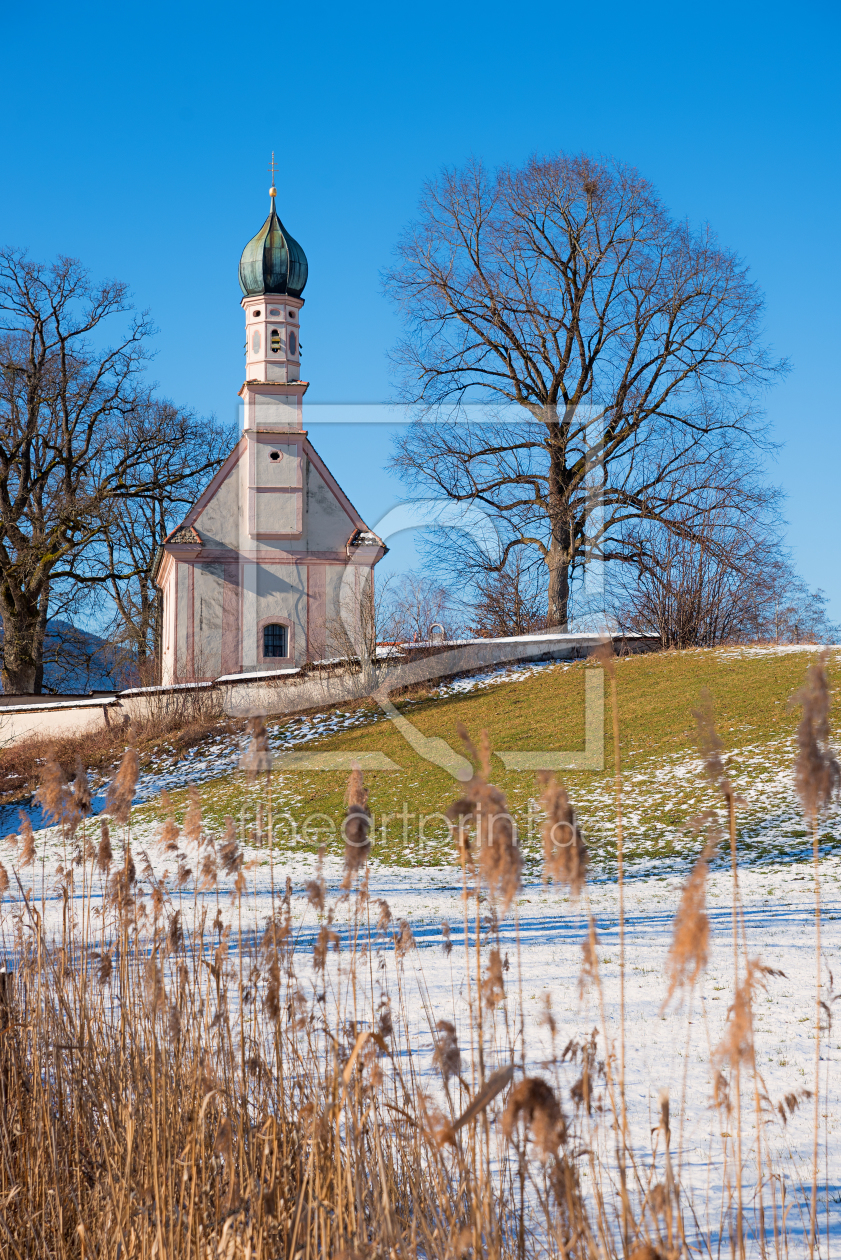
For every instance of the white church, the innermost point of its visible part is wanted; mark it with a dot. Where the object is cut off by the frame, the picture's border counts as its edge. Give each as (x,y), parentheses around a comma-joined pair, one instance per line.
(259,574)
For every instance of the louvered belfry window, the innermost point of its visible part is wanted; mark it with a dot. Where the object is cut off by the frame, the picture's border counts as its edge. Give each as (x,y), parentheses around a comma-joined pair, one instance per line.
(275,639)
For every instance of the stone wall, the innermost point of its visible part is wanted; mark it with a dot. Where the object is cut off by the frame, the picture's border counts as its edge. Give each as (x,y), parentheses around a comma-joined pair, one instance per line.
(273,693)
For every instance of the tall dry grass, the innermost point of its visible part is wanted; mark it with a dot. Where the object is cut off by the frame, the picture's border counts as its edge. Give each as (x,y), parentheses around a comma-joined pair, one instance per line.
(175,1084)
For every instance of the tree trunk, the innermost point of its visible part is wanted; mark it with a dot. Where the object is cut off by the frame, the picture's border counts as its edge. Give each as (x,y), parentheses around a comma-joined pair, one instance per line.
(558,564)
(24,628)
(559,557)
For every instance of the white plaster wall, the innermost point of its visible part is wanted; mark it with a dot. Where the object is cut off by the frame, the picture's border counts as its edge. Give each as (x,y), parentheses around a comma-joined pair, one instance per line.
(250,580)
(282,592)
(276,513)
(42,722)
(219,524)
(283,472)
(184,613)
(275,409)
(280,544)
(327,526)
(168,655)
(335,641)
(207,605)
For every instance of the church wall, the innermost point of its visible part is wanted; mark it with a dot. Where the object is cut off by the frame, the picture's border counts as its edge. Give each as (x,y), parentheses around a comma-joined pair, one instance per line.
(336,641)
(327,524)
(273,592)
(208,605)
(221,593)
(219,524)
(282,596)
(231,637)
(276,513)
(183,621)
(316,611)
(168,638)
(268,473)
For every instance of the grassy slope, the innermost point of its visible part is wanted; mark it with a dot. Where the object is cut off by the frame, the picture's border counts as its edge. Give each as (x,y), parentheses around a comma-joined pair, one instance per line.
(664,786)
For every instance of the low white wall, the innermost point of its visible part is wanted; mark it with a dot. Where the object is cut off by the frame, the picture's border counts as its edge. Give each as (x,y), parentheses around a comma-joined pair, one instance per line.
(57,721)
(317,689)
(286,691)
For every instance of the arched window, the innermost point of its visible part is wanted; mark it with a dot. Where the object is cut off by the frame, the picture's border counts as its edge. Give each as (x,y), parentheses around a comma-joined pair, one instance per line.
(255,343)
(275,340)
(291,342)
(275,640)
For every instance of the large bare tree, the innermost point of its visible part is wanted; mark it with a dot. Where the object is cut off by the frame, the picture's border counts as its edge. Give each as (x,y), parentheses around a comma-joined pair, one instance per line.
(79,433)
(615,353)
(134,527)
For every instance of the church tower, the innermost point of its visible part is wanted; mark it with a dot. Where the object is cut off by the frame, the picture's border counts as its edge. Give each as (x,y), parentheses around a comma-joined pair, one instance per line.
(272,276)
(258,577)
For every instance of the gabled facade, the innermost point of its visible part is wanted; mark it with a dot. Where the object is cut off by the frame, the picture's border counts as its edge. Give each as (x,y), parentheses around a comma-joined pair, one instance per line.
(270,563)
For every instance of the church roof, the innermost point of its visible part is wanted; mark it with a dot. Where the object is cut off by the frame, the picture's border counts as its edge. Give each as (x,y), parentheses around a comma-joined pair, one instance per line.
(273,261)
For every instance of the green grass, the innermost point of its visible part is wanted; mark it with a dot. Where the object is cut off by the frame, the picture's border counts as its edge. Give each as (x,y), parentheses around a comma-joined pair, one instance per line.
(657,695)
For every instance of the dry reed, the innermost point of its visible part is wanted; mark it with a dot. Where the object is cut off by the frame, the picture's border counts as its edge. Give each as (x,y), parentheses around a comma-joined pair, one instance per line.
(484,810)
(190,1090)
(27,835)
(689,950)
(356,827)
(104,854)
(565,857)
(257,758)
(817,776)
(533,1102)
(120,792)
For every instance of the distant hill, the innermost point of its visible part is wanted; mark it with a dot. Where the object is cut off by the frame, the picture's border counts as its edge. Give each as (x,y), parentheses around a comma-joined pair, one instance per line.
(76,661)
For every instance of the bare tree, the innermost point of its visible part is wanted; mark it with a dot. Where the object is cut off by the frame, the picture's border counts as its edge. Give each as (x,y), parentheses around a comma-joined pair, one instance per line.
(134,528)
(78,432)
(508,601)
(412,605)
(616,352)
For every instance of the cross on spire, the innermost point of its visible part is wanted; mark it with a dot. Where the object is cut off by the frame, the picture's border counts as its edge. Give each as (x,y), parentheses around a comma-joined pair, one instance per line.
(273,168)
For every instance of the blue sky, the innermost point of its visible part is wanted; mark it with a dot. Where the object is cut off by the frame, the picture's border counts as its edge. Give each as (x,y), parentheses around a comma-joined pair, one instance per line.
(138,139)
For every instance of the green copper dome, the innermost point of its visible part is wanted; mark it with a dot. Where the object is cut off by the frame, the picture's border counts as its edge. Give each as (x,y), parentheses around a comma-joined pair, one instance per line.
(273,262)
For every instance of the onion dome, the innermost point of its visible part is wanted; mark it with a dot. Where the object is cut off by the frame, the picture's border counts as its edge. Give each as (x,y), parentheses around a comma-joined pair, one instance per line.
(273,261)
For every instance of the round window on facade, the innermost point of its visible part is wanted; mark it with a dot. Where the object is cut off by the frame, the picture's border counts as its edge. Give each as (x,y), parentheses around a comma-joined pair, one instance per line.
(275,641)
(256,314)
(275,341)
(291,314)
(274,311)
(275,456)
(291,343)
(255,343)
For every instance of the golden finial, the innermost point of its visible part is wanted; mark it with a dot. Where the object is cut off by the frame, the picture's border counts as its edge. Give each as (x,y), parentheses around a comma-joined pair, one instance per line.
(273,168)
